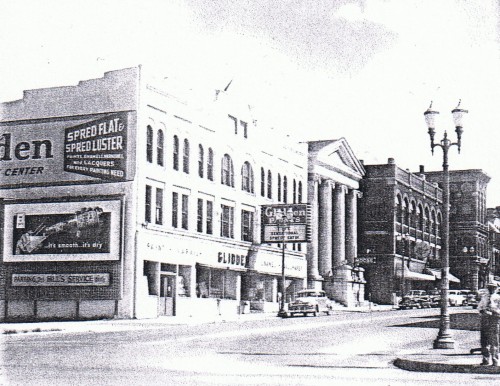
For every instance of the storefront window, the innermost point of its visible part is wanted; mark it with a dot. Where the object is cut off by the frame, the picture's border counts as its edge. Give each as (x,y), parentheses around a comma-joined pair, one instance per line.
(216,283)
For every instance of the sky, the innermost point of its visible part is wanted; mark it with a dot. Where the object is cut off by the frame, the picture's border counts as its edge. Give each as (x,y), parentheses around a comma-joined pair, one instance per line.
(365,70)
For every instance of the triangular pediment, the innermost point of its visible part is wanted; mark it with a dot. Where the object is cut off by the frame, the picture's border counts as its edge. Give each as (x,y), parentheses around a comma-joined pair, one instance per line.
(334,156)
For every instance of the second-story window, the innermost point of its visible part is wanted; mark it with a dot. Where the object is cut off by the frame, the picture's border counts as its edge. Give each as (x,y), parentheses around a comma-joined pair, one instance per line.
(176,153)
(148,200)
(149,144)
(233,123)
(159,147)
(262,182)
(227,171)
(159,206)
(227,221)
(175,209)
(185,212)
(185,157)
(246,225)
(199,217)
(210,217)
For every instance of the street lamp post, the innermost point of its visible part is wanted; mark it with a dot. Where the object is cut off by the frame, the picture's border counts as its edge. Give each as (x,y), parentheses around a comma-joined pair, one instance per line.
(283,223)
(444,339)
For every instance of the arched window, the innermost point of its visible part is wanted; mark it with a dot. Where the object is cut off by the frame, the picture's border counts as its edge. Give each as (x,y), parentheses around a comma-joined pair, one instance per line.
(299,193)
(247,177)
(176,153)
(420,213)
(399,210)
(201,160)
(262,182)
(149,144)
(426,220)
(413,215)
(159,147)
(269,184)
(285,189)
(406,212)
(294,191)
(185,157)
(433,223)
(210,164)
(279,187)
(227,171)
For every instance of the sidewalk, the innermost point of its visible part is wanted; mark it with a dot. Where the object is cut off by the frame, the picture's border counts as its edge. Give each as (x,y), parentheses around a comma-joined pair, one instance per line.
(460,359)
(107,325)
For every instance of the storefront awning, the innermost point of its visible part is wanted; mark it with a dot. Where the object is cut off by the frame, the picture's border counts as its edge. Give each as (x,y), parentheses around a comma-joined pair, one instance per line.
(411,275)
(437,274)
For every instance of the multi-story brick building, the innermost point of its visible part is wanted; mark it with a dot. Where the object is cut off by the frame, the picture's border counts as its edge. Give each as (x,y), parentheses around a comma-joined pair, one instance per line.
(468,225)
(399,231)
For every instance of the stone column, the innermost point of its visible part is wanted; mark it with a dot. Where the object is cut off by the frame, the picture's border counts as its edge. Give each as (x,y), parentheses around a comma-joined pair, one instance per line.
(325,229)
(312,247)
(351,226)
(339,226)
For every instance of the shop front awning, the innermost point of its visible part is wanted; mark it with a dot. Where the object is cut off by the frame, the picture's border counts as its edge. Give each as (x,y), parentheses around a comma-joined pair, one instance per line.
(437,274)
(411,275)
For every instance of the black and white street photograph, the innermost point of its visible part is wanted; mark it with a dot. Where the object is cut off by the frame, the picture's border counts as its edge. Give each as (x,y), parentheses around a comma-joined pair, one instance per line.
(255,192)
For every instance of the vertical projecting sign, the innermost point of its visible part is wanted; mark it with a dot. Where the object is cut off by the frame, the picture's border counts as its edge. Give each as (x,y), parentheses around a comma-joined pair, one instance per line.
(286,223)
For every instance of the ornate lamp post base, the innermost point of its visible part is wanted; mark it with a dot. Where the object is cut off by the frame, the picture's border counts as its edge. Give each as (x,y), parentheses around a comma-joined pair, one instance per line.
(444,342)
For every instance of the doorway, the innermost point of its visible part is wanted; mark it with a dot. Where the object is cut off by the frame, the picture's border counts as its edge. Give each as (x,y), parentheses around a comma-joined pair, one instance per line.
(166,306)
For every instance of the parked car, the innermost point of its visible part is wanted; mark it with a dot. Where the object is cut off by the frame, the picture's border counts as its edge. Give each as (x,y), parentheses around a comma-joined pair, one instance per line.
(310,302)
(415,299)
(457,297)
(434,297)
(472,298)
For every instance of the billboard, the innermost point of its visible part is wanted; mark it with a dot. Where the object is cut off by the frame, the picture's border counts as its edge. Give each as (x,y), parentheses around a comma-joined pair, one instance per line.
(67,149)
(285,223)
(69,231)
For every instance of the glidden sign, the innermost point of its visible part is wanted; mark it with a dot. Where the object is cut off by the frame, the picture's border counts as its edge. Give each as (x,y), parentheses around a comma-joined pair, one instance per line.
(287,223)
(59,150)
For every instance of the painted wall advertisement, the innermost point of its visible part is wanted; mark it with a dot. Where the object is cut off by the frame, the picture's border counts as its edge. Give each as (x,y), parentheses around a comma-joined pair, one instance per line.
(69,149)
(285,223)
(69,231)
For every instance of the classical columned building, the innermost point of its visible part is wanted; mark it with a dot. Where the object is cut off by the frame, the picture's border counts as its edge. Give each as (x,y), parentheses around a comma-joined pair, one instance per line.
(333,190)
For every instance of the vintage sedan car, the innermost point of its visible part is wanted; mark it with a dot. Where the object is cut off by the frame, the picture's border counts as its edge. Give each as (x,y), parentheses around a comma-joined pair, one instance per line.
(434,297)
(415,299)
(310,302)
(457,298)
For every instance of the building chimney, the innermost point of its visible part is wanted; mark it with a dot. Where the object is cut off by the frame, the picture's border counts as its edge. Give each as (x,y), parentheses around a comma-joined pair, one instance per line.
(391,161)
(422,170)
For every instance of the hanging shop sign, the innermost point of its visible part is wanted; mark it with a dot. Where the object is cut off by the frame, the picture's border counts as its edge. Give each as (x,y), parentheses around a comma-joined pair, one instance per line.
(66,150)
(285,223)
(62,231)
(60,280)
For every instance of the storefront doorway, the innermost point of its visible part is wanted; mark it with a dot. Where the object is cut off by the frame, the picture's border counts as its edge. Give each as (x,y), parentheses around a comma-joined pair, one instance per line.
(166,304)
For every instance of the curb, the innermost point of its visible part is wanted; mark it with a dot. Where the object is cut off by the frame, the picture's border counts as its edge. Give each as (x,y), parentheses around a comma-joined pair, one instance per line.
(436,367)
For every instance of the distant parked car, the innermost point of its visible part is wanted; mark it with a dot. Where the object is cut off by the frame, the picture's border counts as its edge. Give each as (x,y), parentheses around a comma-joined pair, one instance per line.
(310,302)
(472,298)
(457,297)
(415,299)
(434,297)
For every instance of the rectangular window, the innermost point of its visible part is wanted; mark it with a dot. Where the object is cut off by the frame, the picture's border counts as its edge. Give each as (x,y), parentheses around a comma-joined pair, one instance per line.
(175,206)
(227,221)
(184,211)
(199,221)
(159,206)
(148,200)
(210,216)
(246,225)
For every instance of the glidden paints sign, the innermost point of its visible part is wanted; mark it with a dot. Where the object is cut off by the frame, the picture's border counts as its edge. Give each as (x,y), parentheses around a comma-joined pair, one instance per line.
(69,149)
(97,148)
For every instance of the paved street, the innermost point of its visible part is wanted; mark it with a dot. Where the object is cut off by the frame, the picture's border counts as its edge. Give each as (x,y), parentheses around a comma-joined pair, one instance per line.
(346,349)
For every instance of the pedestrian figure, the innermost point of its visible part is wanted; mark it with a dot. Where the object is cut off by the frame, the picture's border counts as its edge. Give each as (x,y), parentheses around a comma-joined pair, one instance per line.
(489,309)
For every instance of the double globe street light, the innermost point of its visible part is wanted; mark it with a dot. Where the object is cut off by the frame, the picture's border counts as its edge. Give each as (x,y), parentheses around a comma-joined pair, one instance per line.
(444,339)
